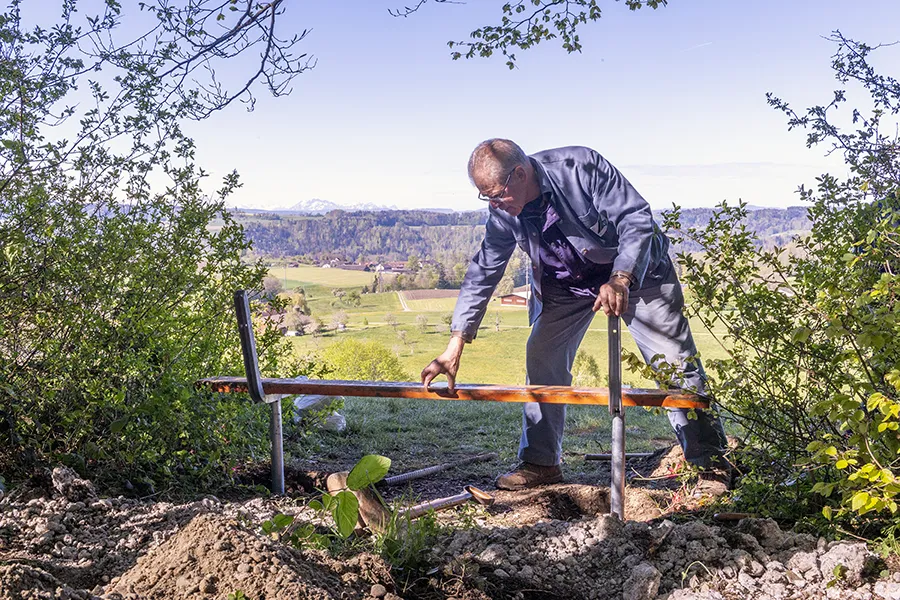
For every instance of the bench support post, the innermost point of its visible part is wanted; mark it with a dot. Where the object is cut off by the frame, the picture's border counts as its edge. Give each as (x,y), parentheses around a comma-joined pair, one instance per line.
(617,412)
(275,435)
(254,385)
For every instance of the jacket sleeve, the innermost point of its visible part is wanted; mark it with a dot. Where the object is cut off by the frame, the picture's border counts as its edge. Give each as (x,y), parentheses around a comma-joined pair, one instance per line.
(631,216)
(484,273)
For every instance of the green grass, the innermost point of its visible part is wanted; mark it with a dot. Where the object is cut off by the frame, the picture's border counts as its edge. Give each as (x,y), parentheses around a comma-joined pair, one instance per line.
(496,357)
(328,278)
(372,306)
(416,434)
(437,305)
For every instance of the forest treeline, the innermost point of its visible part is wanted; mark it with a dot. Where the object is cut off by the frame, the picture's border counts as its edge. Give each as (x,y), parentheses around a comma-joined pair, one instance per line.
(396,235)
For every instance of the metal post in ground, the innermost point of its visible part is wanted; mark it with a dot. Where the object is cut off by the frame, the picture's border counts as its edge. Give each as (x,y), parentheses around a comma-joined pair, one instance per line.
(617,412)
(254,384)
(275,436)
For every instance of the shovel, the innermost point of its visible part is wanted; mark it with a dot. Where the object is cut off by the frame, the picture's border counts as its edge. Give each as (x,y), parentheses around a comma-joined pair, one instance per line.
(470,492)
(374,515)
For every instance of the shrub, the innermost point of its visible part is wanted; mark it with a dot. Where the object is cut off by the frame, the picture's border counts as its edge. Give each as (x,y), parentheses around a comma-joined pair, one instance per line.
(813,334)
(586,371)
(355,360)
(115,294)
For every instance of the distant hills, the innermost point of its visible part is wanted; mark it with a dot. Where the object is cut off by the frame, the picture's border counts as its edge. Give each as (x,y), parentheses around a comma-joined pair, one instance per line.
(317,206)
(317,232)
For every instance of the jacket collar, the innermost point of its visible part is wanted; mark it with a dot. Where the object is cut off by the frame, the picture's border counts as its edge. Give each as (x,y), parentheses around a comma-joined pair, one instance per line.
(542,178)
(559,203)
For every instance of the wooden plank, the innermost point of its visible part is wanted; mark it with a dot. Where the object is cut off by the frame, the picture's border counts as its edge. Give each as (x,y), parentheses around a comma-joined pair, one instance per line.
(548,394)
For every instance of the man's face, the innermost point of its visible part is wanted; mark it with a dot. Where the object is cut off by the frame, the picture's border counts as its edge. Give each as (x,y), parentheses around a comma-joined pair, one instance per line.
(509,195)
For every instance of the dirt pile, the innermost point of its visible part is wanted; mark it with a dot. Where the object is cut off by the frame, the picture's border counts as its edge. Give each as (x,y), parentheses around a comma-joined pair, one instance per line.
(213,556)
(24,582)
(605,559)
(539,544)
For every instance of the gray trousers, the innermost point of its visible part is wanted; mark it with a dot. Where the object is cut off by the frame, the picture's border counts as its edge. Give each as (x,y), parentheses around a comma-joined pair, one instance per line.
(658,326)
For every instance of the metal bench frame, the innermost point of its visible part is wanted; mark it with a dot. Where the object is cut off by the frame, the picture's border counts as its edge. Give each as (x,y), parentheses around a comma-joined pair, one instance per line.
(614,397)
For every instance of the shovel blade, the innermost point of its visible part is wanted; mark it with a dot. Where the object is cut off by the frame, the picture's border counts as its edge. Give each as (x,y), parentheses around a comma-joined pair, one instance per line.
(373,515)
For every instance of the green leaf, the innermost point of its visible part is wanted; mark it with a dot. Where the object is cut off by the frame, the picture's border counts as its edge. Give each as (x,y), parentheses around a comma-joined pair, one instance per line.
(370,469)
(118,426)
(801,335)
(316,505)
(281,520)
(842,464)
(826,512)
(874,400)
(859,500)
(346,512)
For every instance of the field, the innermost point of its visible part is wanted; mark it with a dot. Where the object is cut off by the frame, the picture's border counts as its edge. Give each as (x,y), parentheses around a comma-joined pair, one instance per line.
(291,277)
(496,356)
(421,433)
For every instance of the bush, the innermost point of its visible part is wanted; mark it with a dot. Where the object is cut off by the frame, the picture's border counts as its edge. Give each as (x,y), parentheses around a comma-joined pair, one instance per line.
(360,361)
(115,294)
(586,371)
(813,330)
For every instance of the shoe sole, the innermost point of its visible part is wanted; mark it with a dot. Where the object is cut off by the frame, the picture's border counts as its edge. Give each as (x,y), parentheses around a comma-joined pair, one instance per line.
(519,488)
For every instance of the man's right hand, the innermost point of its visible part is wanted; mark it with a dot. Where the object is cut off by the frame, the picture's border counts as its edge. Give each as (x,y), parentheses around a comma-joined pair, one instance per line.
(445,364)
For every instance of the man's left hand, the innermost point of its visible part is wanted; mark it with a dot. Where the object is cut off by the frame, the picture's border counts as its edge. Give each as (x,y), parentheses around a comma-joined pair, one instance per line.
(613,297)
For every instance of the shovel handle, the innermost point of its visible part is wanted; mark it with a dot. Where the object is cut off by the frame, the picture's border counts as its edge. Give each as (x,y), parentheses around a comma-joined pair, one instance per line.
(471,492)
(404,477)
(418,510)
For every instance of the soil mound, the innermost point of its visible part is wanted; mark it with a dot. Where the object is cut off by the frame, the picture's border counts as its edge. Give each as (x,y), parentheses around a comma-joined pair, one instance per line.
(25,582)
(213,556)
(555,542)
(602,558)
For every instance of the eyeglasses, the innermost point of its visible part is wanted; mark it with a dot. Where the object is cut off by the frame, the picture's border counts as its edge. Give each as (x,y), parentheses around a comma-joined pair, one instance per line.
(498,197)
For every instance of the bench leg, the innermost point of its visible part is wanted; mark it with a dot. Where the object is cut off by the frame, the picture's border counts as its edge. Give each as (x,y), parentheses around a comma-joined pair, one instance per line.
(275,435)
(617,412)
(254,385)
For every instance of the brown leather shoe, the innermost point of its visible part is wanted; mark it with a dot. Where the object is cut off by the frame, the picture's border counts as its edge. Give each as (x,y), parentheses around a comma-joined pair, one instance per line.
(528,475)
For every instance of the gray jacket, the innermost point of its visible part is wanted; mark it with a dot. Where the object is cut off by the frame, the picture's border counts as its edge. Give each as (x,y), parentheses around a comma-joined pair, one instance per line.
(601,215)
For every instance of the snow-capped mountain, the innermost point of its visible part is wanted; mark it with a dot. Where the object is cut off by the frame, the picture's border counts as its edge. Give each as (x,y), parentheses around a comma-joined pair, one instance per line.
(315,206)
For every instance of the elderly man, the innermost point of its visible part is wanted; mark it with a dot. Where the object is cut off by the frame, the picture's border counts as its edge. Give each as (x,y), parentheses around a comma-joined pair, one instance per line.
(593,245)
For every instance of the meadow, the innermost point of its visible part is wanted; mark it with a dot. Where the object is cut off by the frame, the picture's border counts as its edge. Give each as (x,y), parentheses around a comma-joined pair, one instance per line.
(416,434)
(419,334)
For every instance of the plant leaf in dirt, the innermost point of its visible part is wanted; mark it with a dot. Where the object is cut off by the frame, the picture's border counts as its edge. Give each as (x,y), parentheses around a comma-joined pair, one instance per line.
(346,512)
(369,470)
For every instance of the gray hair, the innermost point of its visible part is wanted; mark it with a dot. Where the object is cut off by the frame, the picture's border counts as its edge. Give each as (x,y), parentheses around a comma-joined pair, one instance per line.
(492,160)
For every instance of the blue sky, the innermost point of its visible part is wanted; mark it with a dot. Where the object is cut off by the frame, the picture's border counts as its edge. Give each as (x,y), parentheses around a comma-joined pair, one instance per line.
(674,97)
